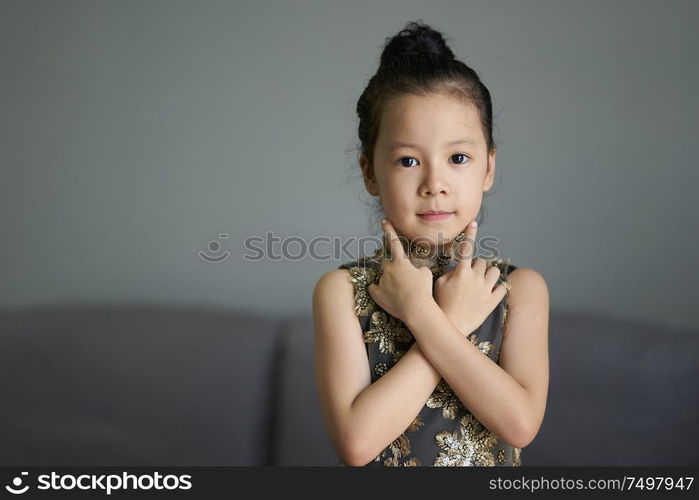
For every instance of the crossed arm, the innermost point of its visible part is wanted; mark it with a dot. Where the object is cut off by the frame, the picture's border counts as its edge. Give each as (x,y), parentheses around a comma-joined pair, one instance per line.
(508,397)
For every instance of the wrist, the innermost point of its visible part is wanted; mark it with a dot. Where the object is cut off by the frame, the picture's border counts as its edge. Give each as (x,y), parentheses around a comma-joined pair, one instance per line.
(463,326)
(466,330)
(419,311)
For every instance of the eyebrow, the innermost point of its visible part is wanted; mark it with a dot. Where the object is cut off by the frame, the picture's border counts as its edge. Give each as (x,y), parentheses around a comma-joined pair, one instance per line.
(465,140)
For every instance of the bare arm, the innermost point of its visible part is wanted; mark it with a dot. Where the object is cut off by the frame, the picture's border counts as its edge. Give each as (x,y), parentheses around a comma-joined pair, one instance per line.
(511,404)
(362,418)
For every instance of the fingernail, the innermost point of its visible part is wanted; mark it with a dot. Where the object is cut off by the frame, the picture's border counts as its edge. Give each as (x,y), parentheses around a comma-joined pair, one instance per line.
(473,224)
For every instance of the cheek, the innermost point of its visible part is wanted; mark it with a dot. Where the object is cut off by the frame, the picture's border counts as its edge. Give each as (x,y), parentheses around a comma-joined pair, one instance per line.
(470,197)
(397,192)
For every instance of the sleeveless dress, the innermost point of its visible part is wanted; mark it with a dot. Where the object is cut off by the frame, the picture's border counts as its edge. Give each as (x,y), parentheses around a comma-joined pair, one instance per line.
(444,433)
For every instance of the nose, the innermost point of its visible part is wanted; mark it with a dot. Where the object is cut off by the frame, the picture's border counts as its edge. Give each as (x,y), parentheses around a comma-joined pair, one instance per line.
(433,182)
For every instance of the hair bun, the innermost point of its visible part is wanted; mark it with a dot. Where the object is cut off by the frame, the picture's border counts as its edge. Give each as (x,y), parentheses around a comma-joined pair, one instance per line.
(416,39)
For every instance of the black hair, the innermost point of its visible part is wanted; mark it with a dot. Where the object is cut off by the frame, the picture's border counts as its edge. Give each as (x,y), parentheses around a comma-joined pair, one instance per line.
(418,61)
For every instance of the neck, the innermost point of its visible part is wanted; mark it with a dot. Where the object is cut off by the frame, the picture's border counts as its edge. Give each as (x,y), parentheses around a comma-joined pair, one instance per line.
(433,257)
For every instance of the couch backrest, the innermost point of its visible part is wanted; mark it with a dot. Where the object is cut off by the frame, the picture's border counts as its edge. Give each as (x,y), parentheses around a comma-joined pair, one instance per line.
(158,386)
(137,386)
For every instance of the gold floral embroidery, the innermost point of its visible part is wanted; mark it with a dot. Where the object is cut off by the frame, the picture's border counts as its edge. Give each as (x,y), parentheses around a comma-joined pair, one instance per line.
(502,265)
(394,461)
(400,448)
(387,331)
(412,462)
(471,448)
(443,397)
(415,424)
(501,457)
(516,456)
(362,277)
(485,346)
(380,369)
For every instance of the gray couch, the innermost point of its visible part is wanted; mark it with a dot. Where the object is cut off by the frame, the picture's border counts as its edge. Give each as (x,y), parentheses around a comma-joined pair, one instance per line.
(157,386)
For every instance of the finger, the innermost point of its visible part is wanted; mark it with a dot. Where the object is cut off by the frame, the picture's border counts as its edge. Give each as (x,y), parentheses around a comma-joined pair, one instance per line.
(467,246)
(394,244)
(446,276)
(480,265)
(426,270)
(499,293)
(371,289)
(492,274)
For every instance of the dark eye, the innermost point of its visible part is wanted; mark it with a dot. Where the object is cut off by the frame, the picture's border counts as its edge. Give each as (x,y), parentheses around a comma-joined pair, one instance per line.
(466,158)
(402,164)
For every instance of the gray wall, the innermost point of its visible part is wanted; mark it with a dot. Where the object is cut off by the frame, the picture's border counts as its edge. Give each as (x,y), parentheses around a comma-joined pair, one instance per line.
(134,132)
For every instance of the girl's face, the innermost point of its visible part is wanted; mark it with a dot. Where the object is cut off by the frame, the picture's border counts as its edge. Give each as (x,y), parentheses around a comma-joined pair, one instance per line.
(430,155)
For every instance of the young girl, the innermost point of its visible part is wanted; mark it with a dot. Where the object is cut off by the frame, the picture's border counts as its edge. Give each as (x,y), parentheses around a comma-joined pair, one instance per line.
(425,355)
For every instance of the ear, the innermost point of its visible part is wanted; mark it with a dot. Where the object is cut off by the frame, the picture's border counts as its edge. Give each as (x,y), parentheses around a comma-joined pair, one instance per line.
(368,175)
(490,172)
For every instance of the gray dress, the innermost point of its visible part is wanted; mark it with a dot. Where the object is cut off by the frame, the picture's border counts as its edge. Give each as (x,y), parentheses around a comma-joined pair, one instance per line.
(444,433)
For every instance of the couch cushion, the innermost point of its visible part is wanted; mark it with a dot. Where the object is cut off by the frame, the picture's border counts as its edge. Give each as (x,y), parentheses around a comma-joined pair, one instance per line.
(302,438)
(621,393)
(136,386)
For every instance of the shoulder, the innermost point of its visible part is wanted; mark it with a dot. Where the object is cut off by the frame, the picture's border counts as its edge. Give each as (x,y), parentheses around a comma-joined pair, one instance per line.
(527,281)
(336,289)
(528,289)
(360,271)
(347,287)
(333,299)
(527,278)
(332,282)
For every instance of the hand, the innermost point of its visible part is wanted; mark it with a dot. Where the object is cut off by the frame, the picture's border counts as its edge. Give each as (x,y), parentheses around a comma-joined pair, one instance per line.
(402,287)
(466,293)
